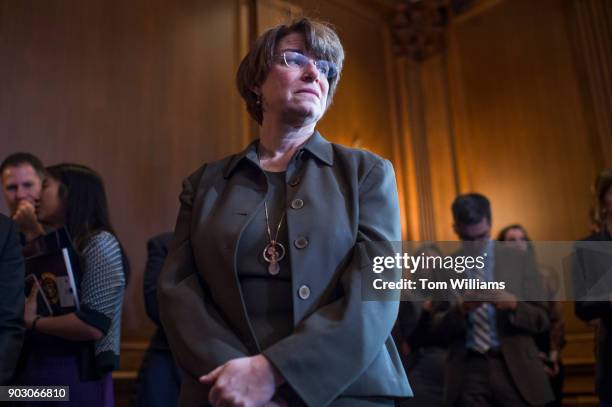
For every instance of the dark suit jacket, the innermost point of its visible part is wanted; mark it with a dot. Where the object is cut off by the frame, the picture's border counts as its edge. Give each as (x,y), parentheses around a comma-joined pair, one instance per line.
(341,345)
(515,331)
(588,310)
(159,377)
(12,298)
(157,250)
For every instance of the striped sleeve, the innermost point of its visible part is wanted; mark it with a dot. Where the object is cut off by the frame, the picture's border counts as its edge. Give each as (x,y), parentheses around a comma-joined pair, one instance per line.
(103,281)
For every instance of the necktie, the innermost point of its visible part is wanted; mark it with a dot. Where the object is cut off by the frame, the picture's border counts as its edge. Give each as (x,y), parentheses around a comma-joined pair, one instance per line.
(481,327)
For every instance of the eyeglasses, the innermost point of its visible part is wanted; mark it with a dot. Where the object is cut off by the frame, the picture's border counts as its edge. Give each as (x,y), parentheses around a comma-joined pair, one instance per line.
(296,60)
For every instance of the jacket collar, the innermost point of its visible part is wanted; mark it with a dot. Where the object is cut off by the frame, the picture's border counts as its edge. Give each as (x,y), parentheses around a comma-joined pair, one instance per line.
(316,145)
(319,147)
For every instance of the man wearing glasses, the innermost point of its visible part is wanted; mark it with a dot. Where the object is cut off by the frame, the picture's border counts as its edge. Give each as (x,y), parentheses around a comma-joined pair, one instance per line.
(492,358)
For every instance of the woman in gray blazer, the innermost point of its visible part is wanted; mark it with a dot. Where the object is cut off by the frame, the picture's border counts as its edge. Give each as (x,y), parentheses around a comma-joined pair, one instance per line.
(260,295)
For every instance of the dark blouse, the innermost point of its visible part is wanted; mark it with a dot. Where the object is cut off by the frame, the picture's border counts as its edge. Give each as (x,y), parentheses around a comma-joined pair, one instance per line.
(267,297)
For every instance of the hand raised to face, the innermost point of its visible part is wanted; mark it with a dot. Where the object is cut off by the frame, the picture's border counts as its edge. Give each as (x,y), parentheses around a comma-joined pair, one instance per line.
(25,217)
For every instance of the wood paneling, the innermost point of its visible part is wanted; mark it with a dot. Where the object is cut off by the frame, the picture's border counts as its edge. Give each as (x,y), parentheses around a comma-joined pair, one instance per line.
(590,23)
(440,144)
(142,91)
(503,114)
(521,133)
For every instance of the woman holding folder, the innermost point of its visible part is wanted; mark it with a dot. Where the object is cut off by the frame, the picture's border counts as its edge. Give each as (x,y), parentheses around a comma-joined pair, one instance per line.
(81,348)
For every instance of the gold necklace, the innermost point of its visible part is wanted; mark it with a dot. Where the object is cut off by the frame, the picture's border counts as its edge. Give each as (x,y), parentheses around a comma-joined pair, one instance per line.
(274,251)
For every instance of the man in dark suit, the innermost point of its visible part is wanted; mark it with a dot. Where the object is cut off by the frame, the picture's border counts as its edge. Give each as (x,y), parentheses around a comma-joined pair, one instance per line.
(594,302)
(12,298)
(492,359)
(592,288)
(22,176)
(159,379)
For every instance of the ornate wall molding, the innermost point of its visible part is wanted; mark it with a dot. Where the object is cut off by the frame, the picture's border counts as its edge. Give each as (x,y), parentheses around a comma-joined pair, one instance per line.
(418,28)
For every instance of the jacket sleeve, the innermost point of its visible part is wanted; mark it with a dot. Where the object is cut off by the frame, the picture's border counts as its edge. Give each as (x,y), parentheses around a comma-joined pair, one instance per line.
(12,301)
(333,346)
(593,300)
(409,318)
(530,315)
(199,338)
(157,250)
(451,322)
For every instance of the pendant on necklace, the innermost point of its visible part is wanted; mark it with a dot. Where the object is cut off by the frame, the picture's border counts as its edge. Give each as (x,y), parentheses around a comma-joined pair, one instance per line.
(273,253)
(273,268)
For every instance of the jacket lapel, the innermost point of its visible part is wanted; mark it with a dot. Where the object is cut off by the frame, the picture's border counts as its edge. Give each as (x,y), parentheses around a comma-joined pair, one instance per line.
(227,207)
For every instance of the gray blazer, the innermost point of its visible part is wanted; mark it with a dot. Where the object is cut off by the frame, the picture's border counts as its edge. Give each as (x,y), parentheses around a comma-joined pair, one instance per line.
(341,346)
(515,330)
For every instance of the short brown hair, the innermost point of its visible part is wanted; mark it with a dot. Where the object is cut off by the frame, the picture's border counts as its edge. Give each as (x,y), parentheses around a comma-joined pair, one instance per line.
(17,159)
(321,41)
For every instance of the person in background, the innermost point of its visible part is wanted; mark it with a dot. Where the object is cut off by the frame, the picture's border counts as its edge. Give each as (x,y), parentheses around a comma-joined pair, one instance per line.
(601,310)
(11,298)
(551,342)
(159,379)
(422,344)
(261,293)
(492,356)
(22,176)
(80,349)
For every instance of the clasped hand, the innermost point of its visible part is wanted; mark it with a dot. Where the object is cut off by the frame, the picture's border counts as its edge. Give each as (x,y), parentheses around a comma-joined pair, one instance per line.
(244,382)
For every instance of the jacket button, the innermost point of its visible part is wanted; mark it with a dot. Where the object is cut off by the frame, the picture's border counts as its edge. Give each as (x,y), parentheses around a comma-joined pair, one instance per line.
(295,181)
(301,242)
(297,203)
(304,292)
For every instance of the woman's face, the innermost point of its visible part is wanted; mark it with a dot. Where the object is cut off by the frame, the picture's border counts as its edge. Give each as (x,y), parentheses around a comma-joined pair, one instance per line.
(292,94)
(517,238)
(51,209)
